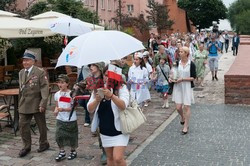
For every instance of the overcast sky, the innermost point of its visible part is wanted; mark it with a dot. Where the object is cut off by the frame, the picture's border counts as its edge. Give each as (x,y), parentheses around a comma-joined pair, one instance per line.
(224,24)
(228,2)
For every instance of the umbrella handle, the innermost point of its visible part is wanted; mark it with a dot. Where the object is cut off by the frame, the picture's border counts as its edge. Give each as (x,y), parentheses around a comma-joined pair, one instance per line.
(72,110)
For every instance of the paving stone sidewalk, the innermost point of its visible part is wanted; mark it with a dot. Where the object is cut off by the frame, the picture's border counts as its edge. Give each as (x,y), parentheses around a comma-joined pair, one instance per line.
(218,135)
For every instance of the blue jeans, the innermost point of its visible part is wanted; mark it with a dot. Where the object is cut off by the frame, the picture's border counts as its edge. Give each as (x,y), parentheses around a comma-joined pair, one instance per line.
(83,103)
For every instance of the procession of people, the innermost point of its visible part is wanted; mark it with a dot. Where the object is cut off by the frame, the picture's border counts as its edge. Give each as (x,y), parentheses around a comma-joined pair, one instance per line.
(171,65)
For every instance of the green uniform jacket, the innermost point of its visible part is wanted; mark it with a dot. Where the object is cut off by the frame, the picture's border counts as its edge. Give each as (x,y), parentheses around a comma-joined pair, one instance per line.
(33,92)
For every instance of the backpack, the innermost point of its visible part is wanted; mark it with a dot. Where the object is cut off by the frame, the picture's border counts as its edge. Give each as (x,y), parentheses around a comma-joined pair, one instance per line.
(213,48)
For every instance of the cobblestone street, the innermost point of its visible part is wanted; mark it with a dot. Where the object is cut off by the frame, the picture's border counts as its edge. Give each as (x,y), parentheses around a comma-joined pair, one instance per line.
(218,134)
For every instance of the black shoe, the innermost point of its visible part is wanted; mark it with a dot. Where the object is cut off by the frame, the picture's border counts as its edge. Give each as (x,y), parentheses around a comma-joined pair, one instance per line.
(61,156)
(72,155)
(24,152)
(42,149)
(212,78)
(182,123)
(184,132)
(216,78)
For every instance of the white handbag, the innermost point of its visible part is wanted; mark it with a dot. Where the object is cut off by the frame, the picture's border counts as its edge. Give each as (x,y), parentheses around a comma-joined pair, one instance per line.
(131,118)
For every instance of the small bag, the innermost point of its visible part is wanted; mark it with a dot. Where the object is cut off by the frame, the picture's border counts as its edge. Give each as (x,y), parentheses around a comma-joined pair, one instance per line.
(170,88)
(170,84)
(131,118)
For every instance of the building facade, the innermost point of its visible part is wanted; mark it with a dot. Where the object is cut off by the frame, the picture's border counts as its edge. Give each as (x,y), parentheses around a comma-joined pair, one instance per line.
(107,10)
(23,4)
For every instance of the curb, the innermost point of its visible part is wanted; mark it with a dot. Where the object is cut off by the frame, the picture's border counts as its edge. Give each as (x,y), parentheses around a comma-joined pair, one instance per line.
(157,132)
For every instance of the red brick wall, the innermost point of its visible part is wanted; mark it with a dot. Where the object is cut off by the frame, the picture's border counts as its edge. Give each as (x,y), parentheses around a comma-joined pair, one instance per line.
(237,79)
(178,15)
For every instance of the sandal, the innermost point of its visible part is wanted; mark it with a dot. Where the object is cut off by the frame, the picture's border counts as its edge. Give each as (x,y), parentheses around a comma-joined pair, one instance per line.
(60,156)
(72,155)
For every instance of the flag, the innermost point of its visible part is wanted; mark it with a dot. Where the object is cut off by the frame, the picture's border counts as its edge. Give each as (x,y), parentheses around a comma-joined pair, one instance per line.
(115,72)
(65,40)
(65,99)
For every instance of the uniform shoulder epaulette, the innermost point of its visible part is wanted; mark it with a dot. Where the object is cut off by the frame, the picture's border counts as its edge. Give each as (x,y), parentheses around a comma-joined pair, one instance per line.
(40,68)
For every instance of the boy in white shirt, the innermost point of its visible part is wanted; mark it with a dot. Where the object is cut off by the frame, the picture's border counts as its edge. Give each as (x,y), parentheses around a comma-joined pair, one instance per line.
(66,128)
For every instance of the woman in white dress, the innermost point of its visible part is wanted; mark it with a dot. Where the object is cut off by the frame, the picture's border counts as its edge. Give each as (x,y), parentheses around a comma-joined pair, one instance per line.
(183,87)
(149,69)
(138,78)
(106,105)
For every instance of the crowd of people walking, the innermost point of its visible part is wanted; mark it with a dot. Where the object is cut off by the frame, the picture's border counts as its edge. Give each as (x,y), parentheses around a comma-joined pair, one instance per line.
(171,65)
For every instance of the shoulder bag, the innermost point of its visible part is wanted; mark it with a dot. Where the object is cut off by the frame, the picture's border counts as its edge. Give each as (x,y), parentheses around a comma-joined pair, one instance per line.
(170,84)
(131,118)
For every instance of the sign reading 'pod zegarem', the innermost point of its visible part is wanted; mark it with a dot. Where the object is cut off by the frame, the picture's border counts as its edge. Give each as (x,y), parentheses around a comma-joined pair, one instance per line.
(32,32)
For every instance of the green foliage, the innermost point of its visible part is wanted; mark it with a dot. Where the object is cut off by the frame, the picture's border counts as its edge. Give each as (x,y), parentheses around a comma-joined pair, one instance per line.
(243,22)
(141,23)
(5,3)
(203,12)
(38,8)
(126,20)
(158,15)
(75,9)
(69,7)
(238,15)
(49,45)
(129,31)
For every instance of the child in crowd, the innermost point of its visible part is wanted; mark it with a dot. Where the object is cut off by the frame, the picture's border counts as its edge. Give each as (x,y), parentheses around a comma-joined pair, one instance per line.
(66,130)
(138,78)
(163,71)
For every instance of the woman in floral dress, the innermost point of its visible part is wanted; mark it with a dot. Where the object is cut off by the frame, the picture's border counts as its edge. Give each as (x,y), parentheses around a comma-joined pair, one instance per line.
(200,59)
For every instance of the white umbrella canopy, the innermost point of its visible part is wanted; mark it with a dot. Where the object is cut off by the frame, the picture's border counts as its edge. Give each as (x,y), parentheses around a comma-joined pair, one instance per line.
(98,46)
(45,19)
(7,14)
(14,27)
(69,26)
(50,14)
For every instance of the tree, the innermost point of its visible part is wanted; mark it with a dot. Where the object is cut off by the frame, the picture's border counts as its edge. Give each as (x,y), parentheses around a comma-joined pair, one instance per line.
(158,16)
(243,22)
(203,12)
(4,4)
(238,15)
(38,8)
(70,7)
(125,22)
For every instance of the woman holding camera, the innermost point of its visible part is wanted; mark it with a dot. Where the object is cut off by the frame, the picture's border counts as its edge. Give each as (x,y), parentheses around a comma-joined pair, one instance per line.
(106,104)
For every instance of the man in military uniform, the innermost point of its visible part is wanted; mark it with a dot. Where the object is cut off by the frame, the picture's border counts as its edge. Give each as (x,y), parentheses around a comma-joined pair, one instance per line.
(34,92)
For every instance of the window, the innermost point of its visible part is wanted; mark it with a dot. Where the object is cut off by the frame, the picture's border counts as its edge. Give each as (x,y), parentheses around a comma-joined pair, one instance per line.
(86,2)
(109,5)
(102,4)
(130,8)
(115,5)
(92,2)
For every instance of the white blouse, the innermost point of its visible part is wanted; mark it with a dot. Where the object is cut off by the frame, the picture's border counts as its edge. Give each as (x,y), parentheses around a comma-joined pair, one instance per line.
(123,95)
